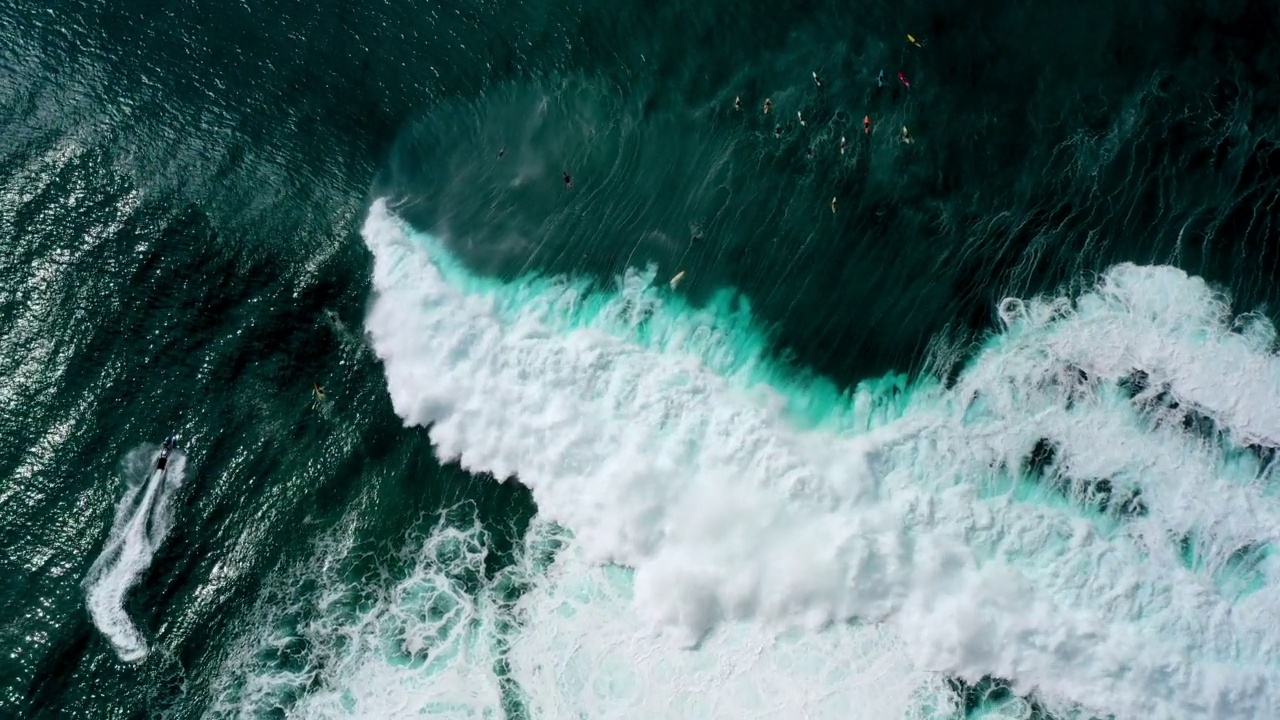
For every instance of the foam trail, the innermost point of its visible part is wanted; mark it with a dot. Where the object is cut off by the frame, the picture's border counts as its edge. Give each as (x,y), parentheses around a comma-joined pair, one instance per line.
(142,519)
(1111,554)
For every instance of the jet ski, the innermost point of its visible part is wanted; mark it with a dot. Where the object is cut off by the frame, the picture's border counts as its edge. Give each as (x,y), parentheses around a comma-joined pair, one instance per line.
(163,460)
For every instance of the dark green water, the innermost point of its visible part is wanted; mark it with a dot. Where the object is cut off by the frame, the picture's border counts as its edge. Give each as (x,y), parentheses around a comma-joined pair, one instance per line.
(182,187)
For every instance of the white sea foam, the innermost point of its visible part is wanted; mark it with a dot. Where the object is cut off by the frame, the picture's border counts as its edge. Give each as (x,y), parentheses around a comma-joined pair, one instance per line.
(579,652)
(421,645)
(636,423)
(727,512)
(142,519)
(431,641)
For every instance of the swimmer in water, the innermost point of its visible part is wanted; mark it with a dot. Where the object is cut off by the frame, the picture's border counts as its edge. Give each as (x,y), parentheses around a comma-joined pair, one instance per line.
(568,179)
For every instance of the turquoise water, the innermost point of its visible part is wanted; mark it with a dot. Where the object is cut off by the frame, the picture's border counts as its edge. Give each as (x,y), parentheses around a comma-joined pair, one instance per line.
(993,438)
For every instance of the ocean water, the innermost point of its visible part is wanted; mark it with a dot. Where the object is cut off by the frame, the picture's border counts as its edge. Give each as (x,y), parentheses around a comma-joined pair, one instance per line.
(972,414)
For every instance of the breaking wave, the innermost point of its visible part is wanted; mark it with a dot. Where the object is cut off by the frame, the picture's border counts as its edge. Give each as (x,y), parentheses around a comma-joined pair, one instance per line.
(1086,512)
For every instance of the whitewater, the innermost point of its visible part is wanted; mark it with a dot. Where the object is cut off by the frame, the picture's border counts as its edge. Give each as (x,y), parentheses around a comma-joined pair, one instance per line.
(1086,512)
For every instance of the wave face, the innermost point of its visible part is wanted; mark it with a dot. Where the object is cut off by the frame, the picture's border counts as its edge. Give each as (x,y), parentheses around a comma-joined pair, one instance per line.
(142,519)
(1087,511)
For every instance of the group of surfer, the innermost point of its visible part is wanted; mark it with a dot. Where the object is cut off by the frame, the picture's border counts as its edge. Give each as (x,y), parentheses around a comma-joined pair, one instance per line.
(866,119)
(768,107)
(881,82)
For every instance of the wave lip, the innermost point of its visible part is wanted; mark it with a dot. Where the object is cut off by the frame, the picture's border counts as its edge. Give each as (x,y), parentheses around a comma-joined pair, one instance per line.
(1033,522)
(142,519)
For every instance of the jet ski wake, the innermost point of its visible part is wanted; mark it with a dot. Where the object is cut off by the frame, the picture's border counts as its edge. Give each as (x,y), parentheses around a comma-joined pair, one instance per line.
(142,519)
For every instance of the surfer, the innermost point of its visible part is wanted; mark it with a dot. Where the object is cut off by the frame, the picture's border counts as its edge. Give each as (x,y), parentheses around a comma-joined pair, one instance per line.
(906,136)
(568,179)
(800,117)
(317,391)
(833,205)
(880,78)
(502,152)
(911,39)
(675,281)
(866,124)
(768,106)
(903,79)
(816,80)
(737,102)
(843,144)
